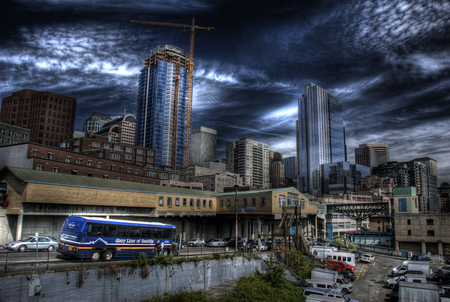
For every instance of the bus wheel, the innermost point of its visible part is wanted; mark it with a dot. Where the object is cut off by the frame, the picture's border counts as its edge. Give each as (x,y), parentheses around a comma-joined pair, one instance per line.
(165,252)
(95,256)
(108,255)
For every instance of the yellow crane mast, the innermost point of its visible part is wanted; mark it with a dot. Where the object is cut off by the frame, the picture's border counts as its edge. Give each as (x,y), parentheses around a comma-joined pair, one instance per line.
(193,27)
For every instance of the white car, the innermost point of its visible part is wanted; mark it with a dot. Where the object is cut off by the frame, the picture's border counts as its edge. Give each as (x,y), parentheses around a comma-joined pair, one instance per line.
(367,258)
(217,242)
(196,242)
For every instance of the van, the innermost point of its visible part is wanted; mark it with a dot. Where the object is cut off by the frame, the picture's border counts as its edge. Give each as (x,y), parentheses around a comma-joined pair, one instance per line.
(318,298)
(327,293)
(345,288)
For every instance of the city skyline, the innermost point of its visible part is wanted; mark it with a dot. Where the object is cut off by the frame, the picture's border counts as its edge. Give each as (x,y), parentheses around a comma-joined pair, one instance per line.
(386,61)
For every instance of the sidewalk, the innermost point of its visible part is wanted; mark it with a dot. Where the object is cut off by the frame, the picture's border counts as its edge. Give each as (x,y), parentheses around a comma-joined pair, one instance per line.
(220,290)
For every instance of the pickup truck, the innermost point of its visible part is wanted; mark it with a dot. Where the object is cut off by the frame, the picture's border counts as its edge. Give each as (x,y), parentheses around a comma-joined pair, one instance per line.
(338,265)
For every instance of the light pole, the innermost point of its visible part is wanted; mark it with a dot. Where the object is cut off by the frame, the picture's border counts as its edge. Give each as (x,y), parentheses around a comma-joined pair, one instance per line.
(236,203)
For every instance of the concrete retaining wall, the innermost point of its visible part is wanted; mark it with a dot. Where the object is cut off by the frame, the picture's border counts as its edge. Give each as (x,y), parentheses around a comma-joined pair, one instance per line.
(126,284)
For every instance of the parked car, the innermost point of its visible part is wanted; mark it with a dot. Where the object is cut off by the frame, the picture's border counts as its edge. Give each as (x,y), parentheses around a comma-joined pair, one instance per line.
(357,254)
(441,277)
(420,258)
(445,269)
(196,242)
(349,275)
(48,243)
(217,242)
(367,258)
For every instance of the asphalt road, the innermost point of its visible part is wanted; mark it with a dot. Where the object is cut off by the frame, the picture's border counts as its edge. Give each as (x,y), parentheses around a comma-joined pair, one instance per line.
(369,285)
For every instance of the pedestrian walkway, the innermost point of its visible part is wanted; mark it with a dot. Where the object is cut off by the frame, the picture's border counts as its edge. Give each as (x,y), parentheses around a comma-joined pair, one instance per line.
(220,290)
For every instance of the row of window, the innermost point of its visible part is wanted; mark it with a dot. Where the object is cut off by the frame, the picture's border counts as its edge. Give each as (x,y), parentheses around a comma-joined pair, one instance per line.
(429,233)
(170,202)
(123,231)
(12,133)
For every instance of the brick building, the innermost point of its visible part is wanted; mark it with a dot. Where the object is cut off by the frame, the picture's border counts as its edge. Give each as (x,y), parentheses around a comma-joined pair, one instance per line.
(44,158)
(49,116)
(10,135)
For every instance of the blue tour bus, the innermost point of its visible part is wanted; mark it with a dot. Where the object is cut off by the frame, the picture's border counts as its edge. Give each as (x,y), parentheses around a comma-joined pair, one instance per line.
(95,238)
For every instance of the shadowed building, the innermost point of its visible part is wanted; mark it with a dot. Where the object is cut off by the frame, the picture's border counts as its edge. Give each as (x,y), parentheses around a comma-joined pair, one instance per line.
(120,130)
(371,155)
(48,115)
(203,145)
(342,177)
(95,122)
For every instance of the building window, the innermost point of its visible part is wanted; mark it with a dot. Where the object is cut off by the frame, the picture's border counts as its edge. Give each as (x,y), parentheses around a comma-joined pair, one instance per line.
(169,201)
(77,149)
(33,152)
(409,232)
(263,201)
(117,148)
(50,155)
(106,145)
(96,144)
(161,201)
(199,203)
(163,175)
(430,233)
(149,153)
(68,159)
(191,202)
(253,202)
(430,222)
(177,201)
(128,149)
(114,156)
(408,222)
(74,172)
(281,201)
(89,162)
(138,158)
(151,174)
(228,202)
(105,176)
(139,151)
(113,167)
(90,174)
(77,143)
(128,156)
(184,202)
(136,172)
(210,203)
(39,167)
(119,178)
(56,169)
(121,169)
(204,203)
(244,202)
(99,165)
(174,177)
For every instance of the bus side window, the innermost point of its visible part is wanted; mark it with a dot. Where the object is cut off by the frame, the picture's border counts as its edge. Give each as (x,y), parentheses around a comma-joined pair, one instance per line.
(135,232)
(158,233)
(95,230)
(339,258)
(344,258)
(167,234)
(109,230)
(146,233)
(122,231)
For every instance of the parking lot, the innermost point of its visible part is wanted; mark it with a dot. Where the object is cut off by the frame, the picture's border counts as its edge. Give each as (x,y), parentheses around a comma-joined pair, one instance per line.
(369,285)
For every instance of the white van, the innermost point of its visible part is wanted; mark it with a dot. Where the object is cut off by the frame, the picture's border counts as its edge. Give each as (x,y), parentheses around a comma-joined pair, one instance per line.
(327,293)
(345,288)
(342,256)
(318,298)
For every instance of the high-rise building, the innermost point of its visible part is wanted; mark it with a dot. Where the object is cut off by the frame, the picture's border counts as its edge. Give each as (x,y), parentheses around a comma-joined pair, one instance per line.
(320,136)
(49,116)
(342,177)
(395,170)
(371,155)
(249,159)
(120,130)
(95,122)
(290,167)
(433,195)
(203,145)
(276,170)
(163,119)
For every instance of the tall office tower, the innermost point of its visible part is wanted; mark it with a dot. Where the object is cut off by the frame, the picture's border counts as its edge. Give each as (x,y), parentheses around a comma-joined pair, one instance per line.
(95,122)
(163,119)
(276,170)
(290,167)
(342,177)
(249,159)
(49,116)
(433,195)
(371,155)
(121,130)
(320,136)
(203,145)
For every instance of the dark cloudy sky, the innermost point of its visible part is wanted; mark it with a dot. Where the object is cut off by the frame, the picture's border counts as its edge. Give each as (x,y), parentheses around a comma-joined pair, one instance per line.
(387,61)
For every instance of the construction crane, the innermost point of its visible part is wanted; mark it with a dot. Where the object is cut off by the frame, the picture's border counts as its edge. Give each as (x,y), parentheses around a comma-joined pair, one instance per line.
(193,27)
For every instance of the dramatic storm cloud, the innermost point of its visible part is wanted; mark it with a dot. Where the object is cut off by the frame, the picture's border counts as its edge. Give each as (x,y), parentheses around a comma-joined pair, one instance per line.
(387,61)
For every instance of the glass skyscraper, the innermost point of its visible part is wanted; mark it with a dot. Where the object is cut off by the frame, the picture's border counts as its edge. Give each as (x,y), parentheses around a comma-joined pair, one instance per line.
(321,137)
(162,119)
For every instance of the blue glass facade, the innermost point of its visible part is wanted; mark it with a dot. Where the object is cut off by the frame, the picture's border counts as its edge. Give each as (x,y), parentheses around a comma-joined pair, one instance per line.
(161,119)
(320,136)
(342,177)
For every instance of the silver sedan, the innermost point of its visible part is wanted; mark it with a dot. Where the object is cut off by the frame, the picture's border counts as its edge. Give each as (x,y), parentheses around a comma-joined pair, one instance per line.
(217,242)
(48,243)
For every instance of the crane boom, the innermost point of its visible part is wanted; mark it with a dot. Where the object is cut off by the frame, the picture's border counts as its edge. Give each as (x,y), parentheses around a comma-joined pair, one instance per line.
(193,27)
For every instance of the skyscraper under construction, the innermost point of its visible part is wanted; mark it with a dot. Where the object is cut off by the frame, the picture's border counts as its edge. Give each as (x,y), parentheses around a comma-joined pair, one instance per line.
(163,112)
